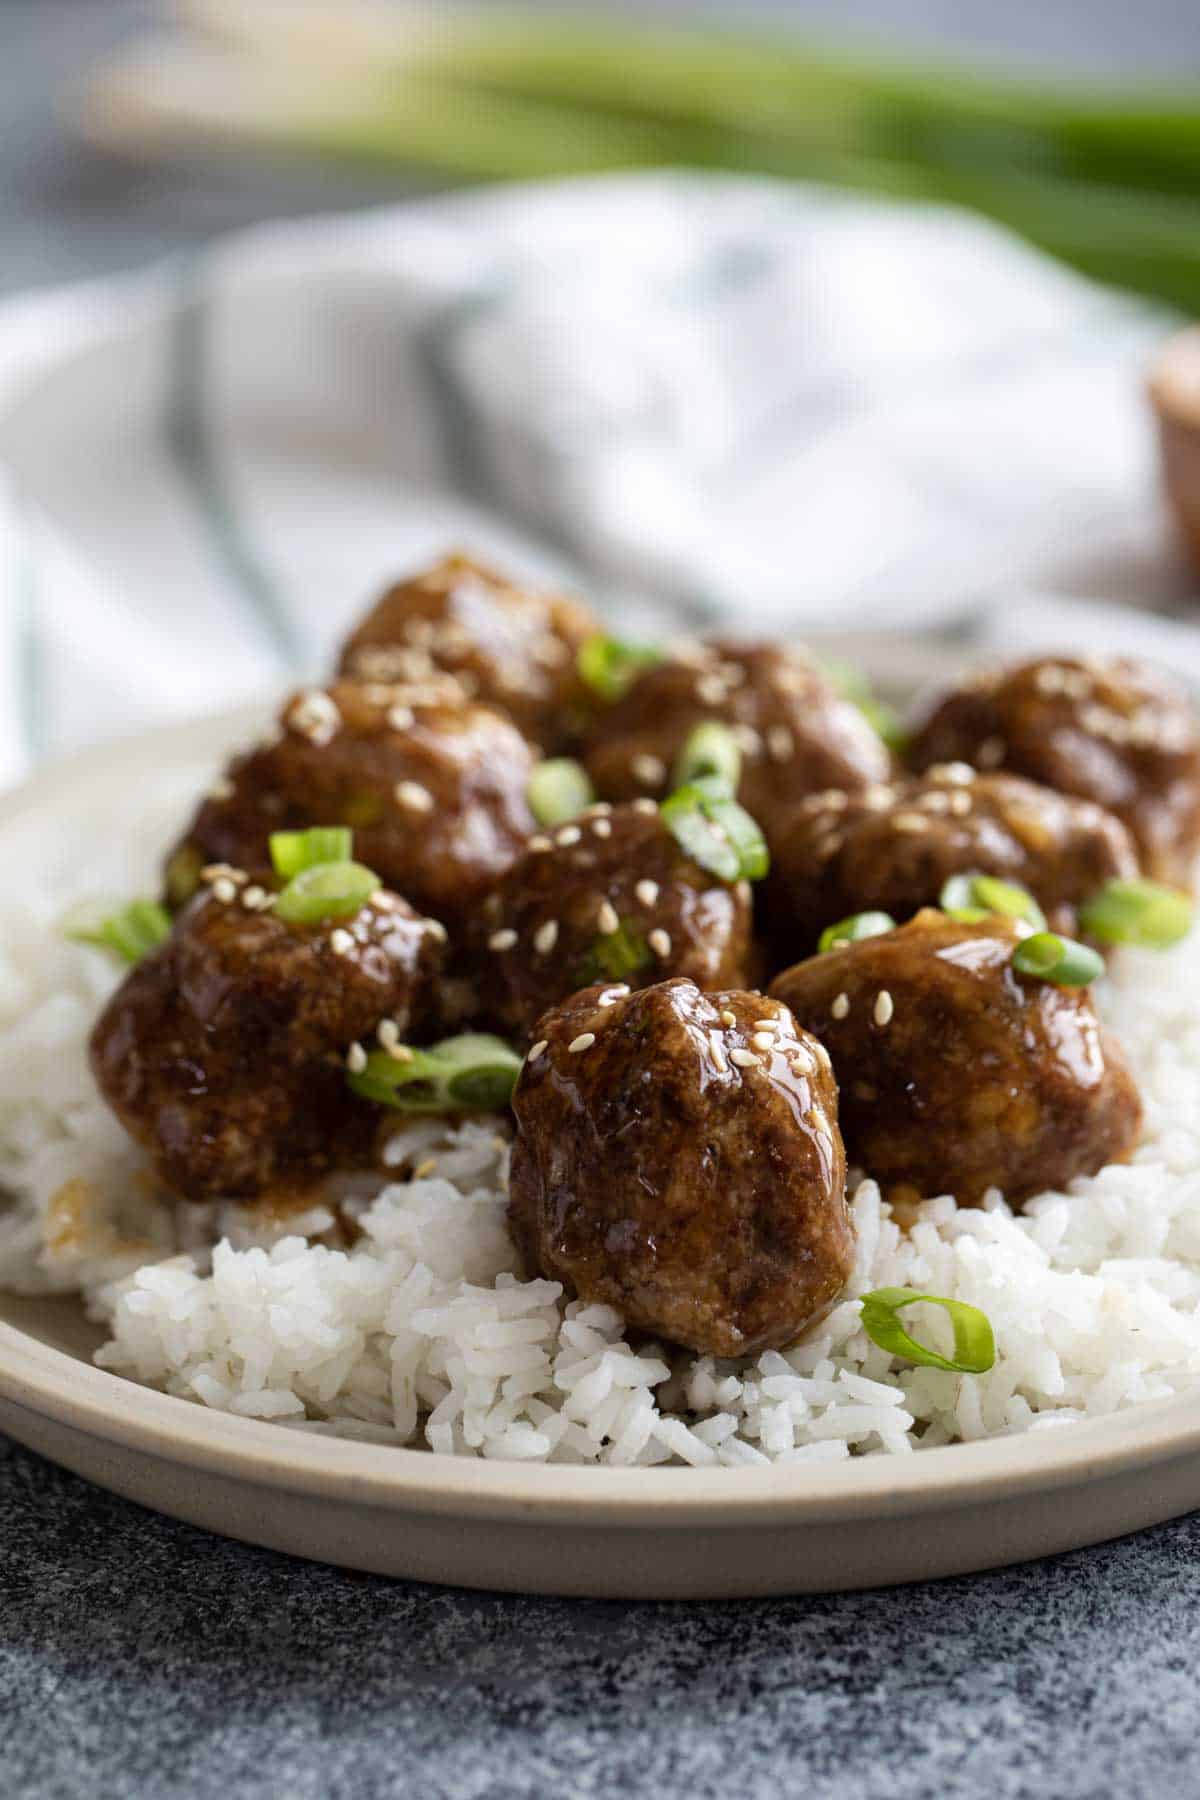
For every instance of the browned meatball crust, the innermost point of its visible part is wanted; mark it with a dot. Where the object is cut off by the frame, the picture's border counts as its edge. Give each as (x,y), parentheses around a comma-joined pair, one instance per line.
(956,1074)
(223,1053)
(513,648)
(797,736)
(1112,730)
(678,1157)
(613,889)
(435,794)
(891,848)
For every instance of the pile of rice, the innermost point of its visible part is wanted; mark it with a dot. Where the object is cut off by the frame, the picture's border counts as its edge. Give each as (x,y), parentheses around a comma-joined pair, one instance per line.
(423,1333)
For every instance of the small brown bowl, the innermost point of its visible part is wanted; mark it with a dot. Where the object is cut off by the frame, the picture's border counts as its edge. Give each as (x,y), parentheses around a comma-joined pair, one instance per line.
(1174,387)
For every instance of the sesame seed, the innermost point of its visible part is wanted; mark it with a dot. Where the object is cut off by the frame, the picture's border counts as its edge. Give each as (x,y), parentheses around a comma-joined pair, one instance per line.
(799,1067)
(748,740)
(955,774)
(212,871)
(660,942)
(314,715)
(224,890)
(503,939)
(717,1050)
(599,809)
(883,1007)
(647,892)
(256,897)
(606,918)
(400,1053)
(536,1050)
(780,743)
(570,834)
(425,1168)
(745,1059)
(610,996)
(909,822)
(400,717)
(710,690)
(221,790)
(841,1006)
(936,801)
(763,1040)
(584,1041)
(356,1059)
(822,1056)
(602,827)
(341,942)
(648,769)
(960,805)
(539,842)
(388,1033)
(728,1019)
(412,795)
(876,798)
(435,929)
(545,937)
(646,807)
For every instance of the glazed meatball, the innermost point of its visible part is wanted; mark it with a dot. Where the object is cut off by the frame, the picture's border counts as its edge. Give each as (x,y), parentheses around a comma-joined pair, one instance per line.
(513,648)
(223,1053)
(678,1157)
(1112,731)
(435,794)
(956,1074)
(891,848)
(796,735)
(612,895)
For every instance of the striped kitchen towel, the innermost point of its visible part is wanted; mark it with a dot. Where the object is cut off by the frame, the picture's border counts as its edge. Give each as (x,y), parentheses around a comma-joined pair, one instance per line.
(705,399)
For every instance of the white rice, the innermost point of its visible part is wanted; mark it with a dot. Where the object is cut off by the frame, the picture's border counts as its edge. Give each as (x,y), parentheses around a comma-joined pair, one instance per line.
(422,1333)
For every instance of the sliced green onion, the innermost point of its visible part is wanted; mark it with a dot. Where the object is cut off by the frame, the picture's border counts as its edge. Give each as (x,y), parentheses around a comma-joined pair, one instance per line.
(471,1073)
(715,831)
(710,750)
(559,790)
(610,666)
(331,890)
(292,851)
(1137,912)
(854,929)
(972,897)
(614,957)
(974,1341)
(1060,960)
(130,934)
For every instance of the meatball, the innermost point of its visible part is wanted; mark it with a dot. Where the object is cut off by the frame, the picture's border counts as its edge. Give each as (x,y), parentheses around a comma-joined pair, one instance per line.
(614,896)
(435,794)
(1112,731)
(891,848)
(678,1157)
(796,735)
(511,647)
(223,1052)
(955,1073)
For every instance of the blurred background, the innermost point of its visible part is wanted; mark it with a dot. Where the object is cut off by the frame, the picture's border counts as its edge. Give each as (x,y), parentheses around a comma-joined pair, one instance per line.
(770,382)
(131,128)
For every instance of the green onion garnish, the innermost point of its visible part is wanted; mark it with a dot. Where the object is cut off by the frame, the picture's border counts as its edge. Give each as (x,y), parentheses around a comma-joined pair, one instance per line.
(709,750)
(130,934)
(854,929)
(614,957)
(715,831)
(610,666)
(331,890)
(292,851)
(472,1073)
(1060,960)
(559,790)
(1137,912)
(974,1341)
(972,897)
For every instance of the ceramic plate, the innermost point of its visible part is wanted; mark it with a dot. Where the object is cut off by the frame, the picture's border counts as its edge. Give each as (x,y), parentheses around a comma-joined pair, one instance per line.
(609,1532)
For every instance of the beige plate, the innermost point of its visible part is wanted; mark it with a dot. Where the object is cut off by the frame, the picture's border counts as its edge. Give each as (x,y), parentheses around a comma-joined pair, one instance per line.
(638,1532)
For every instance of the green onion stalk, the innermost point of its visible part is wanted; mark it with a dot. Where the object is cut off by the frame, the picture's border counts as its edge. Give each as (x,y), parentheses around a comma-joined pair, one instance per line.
(1107,178)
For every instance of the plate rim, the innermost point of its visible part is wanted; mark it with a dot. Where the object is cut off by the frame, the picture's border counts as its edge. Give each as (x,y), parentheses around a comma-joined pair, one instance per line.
(43,1379)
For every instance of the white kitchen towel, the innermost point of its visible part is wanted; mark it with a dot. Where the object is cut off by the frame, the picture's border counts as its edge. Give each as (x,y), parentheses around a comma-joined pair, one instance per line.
(701,398)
